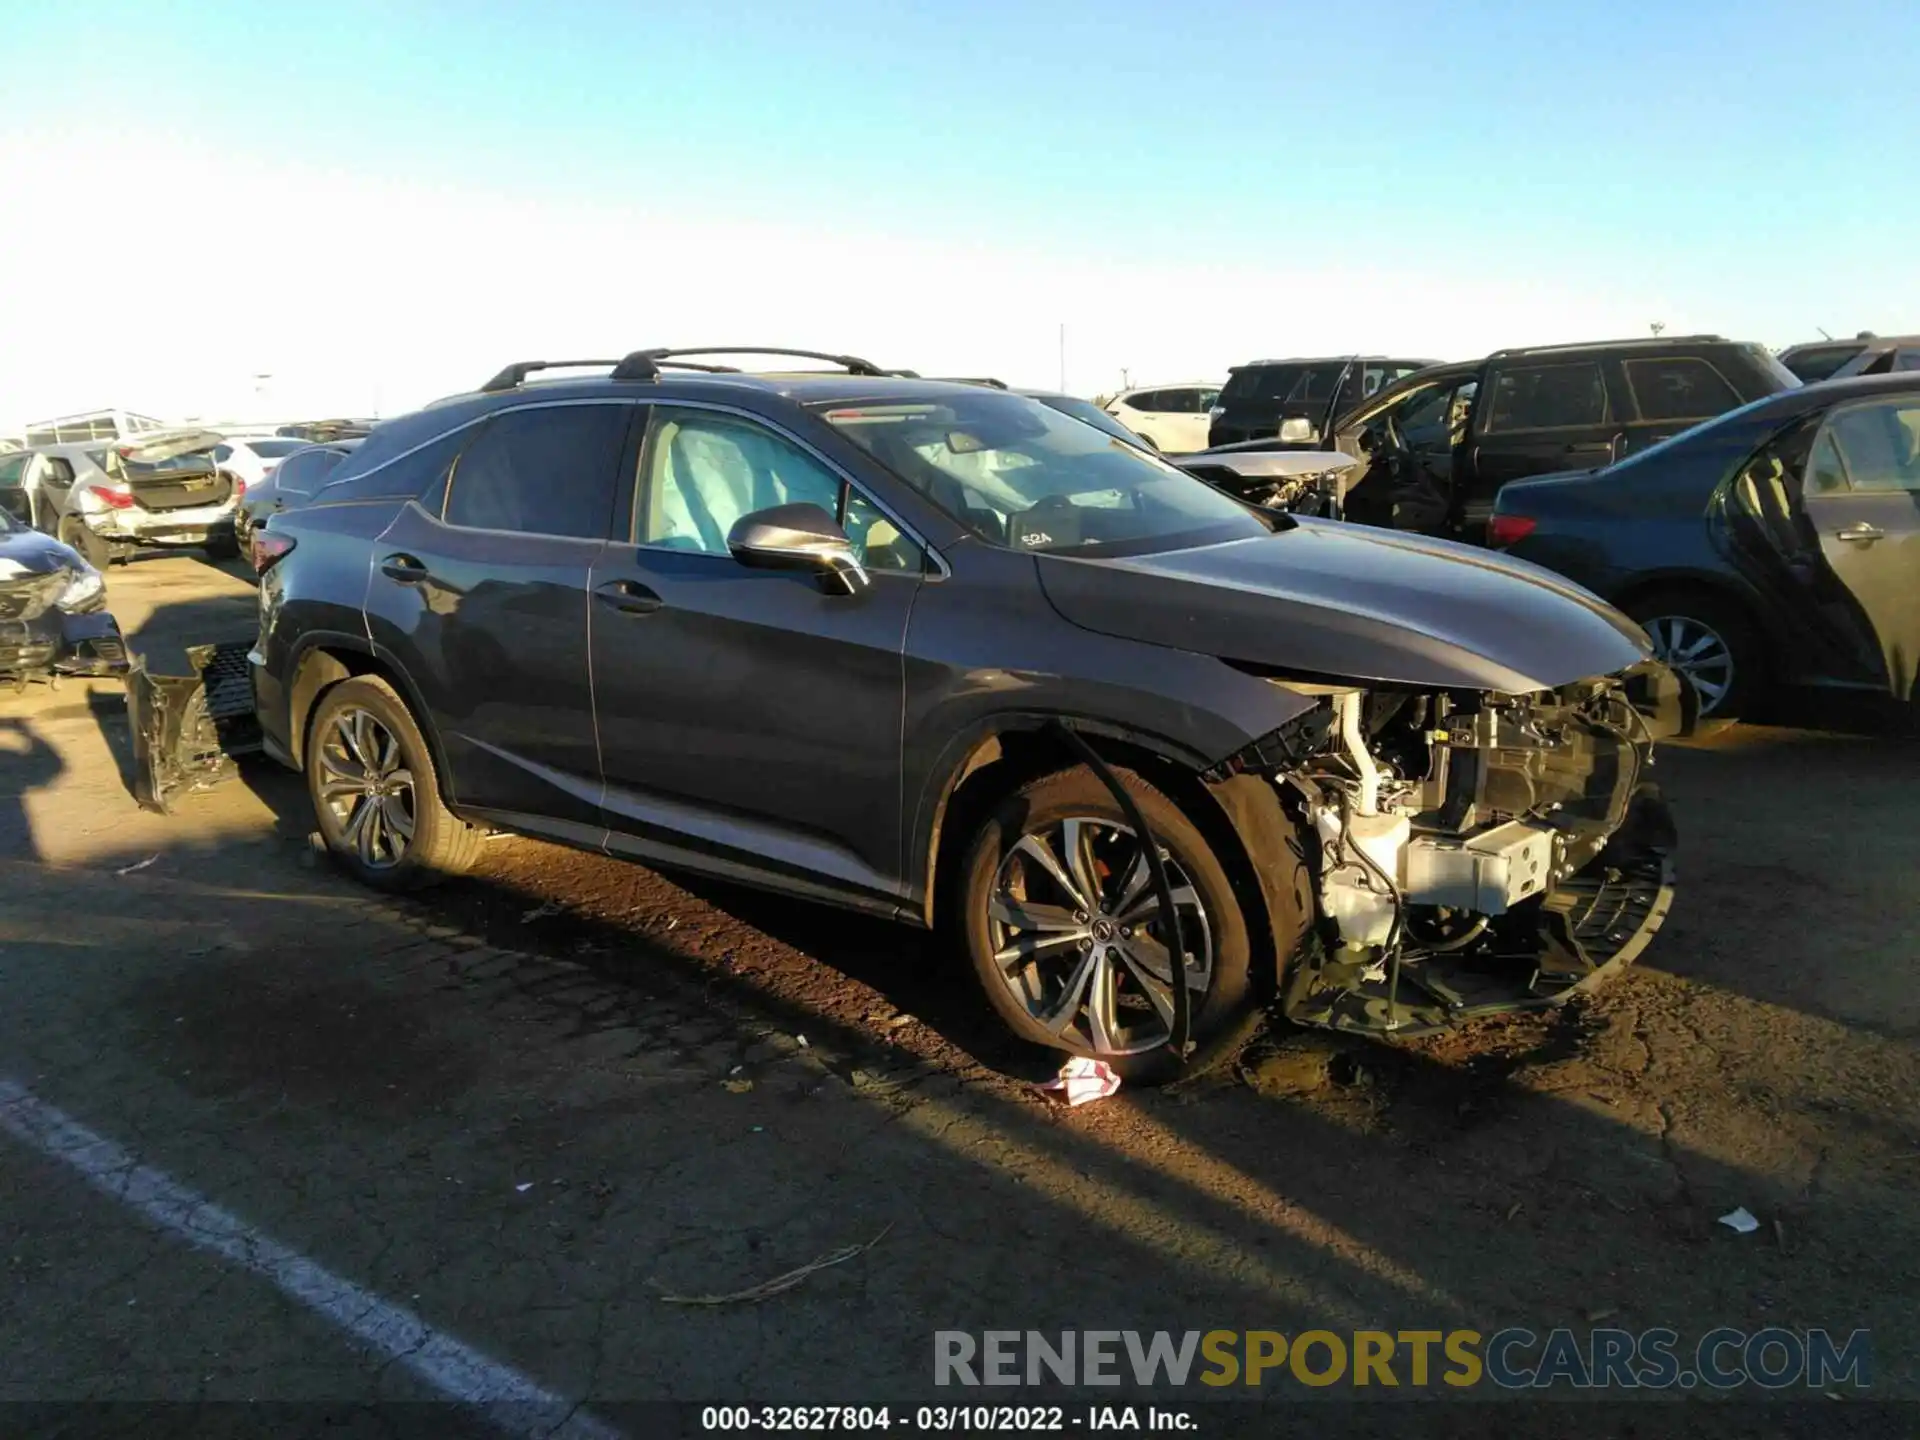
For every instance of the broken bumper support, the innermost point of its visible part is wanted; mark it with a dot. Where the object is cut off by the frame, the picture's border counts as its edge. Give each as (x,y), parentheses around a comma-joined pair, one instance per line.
(187,729)
(1590,927)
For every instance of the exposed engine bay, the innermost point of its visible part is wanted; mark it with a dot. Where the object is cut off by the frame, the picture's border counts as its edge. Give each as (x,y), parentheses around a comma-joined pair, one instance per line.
(1474,853)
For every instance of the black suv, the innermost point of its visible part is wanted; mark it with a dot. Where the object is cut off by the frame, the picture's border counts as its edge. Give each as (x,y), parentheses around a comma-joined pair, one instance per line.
(1439,445)
(941,653)
(1296,400)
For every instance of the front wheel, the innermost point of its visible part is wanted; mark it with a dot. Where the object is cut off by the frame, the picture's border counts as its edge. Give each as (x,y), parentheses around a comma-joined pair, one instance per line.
(1065,933)
(375,794)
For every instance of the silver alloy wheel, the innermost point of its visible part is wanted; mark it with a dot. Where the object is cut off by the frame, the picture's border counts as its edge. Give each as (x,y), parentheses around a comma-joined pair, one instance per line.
(1076,929)
(1697,651)
(367,788)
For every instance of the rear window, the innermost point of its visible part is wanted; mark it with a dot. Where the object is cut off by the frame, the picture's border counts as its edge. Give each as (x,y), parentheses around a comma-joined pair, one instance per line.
(274,449)
(305,469)
(1821,362)
(1679,387)
(1298,384)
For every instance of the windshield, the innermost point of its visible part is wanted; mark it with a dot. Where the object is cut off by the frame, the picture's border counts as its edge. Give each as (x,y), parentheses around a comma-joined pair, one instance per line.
(1019,474)
(1300,384)
(1091,414)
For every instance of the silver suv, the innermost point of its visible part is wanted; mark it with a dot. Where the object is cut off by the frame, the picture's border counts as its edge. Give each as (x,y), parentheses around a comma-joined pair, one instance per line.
(108,499)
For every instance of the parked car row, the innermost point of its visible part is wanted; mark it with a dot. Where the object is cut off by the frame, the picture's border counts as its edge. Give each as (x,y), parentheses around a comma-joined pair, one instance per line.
(1762,530)
(130,481)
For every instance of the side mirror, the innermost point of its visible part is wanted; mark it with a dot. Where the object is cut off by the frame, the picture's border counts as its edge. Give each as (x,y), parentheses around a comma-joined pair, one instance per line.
(1298,431)
(799,537)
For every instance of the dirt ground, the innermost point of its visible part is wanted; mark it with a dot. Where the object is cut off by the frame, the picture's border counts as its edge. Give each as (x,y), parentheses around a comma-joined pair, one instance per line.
(519,1107)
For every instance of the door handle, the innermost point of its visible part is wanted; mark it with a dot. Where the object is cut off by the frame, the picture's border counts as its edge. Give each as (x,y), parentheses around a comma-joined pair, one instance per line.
(1861,534)
(629,597)
(404,568)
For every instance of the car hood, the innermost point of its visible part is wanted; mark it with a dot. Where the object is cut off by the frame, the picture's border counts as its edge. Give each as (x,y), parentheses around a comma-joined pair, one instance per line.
(28,552)
(1326,600)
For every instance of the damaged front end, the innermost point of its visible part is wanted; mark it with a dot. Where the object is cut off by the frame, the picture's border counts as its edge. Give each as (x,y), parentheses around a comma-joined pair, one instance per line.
(53,623)
(1474,853)
(187,729)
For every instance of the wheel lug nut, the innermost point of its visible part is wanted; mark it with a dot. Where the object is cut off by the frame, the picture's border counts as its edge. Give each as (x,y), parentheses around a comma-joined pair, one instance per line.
(1079,917)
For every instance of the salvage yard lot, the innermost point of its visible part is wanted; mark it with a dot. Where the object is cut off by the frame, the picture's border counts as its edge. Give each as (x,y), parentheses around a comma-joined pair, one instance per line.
(504,1105)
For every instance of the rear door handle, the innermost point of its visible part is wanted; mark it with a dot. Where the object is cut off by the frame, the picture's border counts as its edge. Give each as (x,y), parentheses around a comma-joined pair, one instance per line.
(404,568)
(629,597)
(1862,534)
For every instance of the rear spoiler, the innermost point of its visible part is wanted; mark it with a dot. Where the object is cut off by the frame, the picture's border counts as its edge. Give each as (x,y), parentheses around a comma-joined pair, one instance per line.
(188,728)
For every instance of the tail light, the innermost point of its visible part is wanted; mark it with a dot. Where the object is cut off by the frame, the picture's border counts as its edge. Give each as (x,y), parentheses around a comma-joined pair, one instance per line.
(239,487)
(1505,530)
(115,499)
(269,550)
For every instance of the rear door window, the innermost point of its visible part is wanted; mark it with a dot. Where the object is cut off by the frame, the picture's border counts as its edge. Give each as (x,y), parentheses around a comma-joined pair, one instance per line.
(1877,444)
(13,469)
(1147,402)
(546,470)
(1547,397)
(1679,387)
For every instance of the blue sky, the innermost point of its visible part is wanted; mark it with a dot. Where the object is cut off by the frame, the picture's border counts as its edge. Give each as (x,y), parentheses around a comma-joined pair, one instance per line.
(1744,166)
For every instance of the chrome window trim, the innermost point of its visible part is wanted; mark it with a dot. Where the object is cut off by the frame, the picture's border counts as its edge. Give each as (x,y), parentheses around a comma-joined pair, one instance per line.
(942,571)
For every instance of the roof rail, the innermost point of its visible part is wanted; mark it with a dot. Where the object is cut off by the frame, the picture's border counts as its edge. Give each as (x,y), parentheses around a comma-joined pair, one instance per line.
(986,380)
(1609,344)
(516,373)
(646,364)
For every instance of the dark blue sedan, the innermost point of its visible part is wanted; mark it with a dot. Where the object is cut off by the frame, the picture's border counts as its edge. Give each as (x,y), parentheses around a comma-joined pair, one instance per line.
(1778,543)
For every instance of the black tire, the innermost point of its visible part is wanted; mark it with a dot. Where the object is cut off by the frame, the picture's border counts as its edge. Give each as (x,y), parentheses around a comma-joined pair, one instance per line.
(1076,794)
(1721,619)
(224,546)
(441,844)
(93,549)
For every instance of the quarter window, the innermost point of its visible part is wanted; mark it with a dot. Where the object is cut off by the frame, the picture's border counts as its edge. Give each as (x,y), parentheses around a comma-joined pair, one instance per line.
(706,471)
(1547,397)
(1878,445)
(551,470)
(1679,387)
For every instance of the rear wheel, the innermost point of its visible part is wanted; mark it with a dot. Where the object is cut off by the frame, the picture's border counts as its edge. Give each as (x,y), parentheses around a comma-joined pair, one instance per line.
(1709,642)
(1065,932)
(375,795)
(222,547)
(95,551)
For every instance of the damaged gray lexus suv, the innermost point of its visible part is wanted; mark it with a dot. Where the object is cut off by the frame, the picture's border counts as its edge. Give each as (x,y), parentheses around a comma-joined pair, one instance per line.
(1150,756)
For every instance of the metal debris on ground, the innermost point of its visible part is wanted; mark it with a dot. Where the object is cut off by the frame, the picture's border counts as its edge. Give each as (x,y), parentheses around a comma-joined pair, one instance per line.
(1740,1220)
(779,1284)
(737,1087)
(138,864)
(524,1186)
(540,912)
(1081,1081)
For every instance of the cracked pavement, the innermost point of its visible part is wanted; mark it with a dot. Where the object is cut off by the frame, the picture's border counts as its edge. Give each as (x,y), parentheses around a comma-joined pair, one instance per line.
(501,1105)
